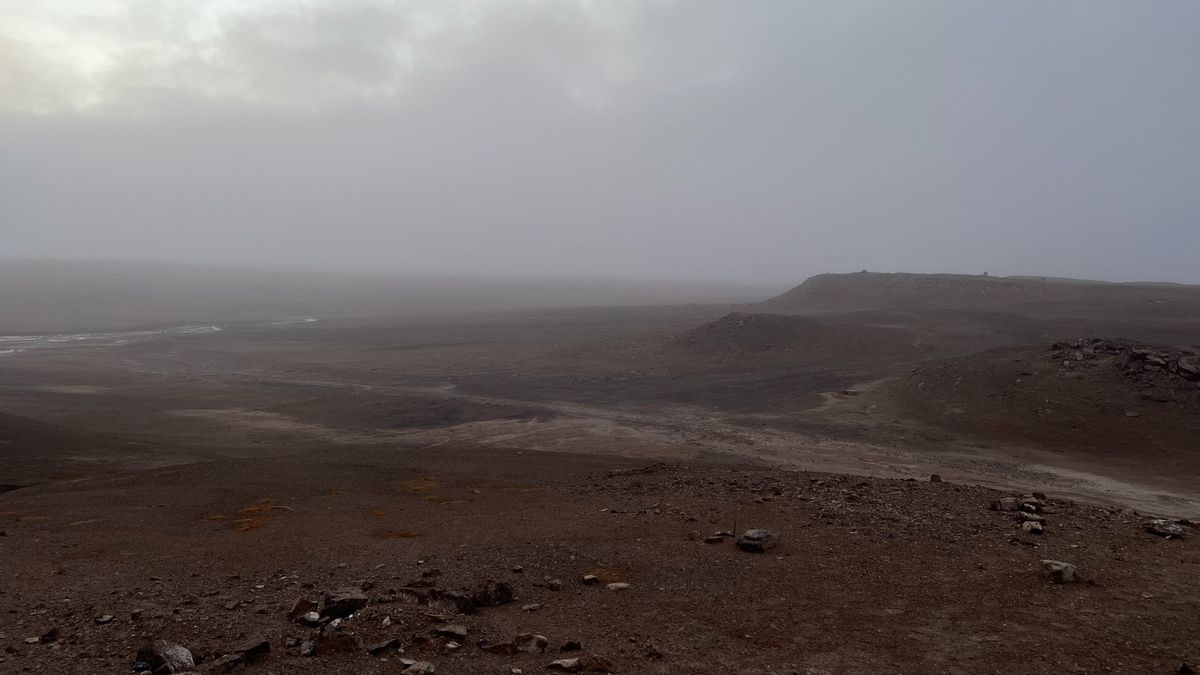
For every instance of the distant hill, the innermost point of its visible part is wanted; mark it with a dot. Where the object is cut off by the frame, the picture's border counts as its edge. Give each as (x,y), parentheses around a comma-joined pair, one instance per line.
(77,295)
(1030,295)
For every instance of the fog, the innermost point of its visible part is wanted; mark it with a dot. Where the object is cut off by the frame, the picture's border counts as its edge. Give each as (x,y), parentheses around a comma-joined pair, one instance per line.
(755,142)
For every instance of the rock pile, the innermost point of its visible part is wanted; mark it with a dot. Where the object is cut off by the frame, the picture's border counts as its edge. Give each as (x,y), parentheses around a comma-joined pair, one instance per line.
(1148,365)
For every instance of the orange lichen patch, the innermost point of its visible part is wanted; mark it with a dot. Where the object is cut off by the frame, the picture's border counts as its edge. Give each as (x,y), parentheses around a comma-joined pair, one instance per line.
(419,485)
(396,534)
(247,524)
(250,517)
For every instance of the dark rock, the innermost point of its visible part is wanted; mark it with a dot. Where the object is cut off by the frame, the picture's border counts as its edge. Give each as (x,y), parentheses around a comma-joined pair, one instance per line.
(230,663)
(253,650)
(303,606)
(493,593)
(453,601)
(590,579)
(343,602)
(555,584)
(385,646)
(1031,527)
(757,540)
(308,648)
(935,478)
(570,646)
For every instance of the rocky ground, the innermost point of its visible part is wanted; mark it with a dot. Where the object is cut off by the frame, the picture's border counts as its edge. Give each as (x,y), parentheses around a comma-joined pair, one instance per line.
(473,561)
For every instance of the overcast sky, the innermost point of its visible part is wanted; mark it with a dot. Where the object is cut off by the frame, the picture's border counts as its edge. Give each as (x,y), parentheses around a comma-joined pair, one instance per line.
(747,140)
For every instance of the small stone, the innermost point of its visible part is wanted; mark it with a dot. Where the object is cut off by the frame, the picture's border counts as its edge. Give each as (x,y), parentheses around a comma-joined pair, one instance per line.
(587,663)
(230,663)
(312,619)
(590,579)
(454,630)
(757,540)
(617,586)
(555,584)
(517,569)
(419,668)
(232,604)
(714,539)
(498,648)
(103,619)
(531,607)
(1060,572)
(1025,516)
(387,621)
(531,643)
(308,648)
(1031,527)
(32,640)
(935,478)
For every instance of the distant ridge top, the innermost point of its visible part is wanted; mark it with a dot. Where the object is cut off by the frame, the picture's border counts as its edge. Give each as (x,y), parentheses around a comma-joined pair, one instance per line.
(871,290)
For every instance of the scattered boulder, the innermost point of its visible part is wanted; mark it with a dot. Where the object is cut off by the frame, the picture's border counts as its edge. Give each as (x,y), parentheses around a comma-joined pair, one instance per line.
(343,602)
(1162,527)
(1060,572)
(167,657)
(757,540)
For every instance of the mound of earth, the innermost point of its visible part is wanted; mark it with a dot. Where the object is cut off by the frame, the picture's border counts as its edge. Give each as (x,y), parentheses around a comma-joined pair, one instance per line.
(739,334)
(1066,297)
(1112,401)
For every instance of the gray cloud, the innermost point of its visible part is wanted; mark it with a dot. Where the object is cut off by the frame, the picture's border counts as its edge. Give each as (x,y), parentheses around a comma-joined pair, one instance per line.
(754,141)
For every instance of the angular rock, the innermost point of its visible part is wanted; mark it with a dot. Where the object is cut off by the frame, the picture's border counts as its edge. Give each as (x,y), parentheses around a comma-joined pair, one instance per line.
(106,618)
(253,650)
(1031,527)
(303,606)
(230,663)
(499,648)
(343,602)
(757,540)
(382,647)
(419,668)
(531,643)
(1006,504)
(167,657)
(1060,572)
(1162,527)
(453,601)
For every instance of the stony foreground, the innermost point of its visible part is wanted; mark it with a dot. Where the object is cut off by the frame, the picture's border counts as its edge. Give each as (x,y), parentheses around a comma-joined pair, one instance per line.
(466,560)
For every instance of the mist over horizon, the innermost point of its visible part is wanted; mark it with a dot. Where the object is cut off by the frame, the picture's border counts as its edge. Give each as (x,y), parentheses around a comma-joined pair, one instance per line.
(756,143)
